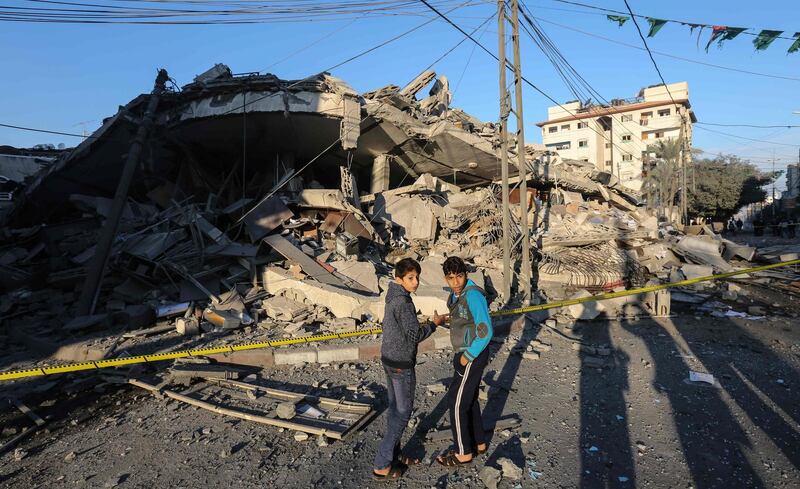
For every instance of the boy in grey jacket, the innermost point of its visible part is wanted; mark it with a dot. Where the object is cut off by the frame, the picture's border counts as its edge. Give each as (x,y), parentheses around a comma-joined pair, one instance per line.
(402,332)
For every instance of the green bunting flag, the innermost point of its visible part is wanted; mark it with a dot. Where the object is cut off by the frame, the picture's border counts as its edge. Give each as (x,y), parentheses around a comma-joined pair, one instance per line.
(765,38)
(619,19)
(721,33)
(655,26)
(796,44)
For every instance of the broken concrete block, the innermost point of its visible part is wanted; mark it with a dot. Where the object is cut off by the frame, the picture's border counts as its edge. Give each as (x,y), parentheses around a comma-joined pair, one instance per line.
(490,477)
(340,302)
(282,308)
(361,272)
(343,325)
(300,436)
(530,355)
(510,469)
(187,326)
(691,270)
(756,311)
(286,410)
(295,356)
(436,388)
(587,310)
(337,354)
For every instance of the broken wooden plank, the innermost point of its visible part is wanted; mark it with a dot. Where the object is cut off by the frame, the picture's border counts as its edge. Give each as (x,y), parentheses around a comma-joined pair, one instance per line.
(27,411)
(227,411)
(265,217)
(310,266)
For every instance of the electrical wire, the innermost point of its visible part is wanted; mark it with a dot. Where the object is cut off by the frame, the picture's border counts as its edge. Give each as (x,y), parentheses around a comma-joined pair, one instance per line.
(634,16)
(749,139)
(688,60)
(508,66)
(748,125)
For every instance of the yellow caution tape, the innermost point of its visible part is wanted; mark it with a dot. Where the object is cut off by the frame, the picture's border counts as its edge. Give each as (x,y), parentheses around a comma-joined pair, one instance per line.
(118,362)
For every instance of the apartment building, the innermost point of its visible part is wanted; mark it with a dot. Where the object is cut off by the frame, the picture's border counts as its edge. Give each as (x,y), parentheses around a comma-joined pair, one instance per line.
(614,137)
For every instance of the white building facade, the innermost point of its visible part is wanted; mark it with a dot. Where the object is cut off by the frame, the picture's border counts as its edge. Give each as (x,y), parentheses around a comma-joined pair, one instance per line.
(614,137)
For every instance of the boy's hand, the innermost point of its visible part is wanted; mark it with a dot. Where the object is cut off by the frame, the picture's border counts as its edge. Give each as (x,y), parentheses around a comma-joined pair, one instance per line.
(463,360)
(439,320)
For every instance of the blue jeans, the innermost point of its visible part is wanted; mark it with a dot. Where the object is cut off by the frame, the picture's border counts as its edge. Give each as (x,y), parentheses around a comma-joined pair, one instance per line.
(400,386)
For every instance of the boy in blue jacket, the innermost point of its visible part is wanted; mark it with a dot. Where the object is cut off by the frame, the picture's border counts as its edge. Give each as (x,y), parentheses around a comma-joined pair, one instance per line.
(402,332)
(470,333)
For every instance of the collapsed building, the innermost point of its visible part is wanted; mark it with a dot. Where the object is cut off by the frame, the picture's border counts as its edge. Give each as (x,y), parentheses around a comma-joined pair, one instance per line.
(277,208)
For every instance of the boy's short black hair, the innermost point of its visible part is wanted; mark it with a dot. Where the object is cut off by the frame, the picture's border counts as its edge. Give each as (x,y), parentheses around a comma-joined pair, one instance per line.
(454,265)
(406,265)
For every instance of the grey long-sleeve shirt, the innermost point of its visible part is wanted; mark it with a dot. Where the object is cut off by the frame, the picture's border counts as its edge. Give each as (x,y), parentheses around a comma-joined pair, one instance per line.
(402,331)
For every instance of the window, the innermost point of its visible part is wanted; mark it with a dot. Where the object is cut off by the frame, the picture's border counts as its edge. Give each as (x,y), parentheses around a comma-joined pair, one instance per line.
(664,113)
(626,137)
(627,118)
(627,157)
(645,135)
(608,163)
(659,134)
(559,146)
(583,143)
(552,129)
(585,159)
(582,125)
(565,127)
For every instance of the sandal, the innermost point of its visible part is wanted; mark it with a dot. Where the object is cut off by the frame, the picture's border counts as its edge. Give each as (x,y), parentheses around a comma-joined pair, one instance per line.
(450,460)
(408,461)
(395,472)
(485,449)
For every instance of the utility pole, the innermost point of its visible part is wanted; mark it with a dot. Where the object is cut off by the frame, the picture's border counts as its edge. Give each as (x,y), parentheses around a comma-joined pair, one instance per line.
(522,165)
(773,184)
(684,156)
(504,109)
(96,269)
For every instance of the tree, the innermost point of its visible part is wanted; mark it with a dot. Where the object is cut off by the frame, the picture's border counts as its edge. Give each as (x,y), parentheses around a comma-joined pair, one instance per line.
(724,184)
(662,178)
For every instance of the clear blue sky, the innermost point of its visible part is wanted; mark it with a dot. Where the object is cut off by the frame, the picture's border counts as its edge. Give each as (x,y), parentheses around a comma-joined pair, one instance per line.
(58,76)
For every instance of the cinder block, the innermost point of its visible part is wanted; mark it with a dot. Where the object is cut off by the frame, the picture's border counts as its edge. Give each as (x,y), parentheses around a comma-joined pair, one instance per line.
(337,354)
(294,356)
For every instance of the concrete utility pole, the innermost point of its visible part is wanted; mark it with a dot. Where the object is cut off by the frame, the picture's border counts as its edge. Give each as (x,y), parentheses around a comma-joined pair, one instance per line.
(522,165)
(685,153)
(504,109)
(94,276)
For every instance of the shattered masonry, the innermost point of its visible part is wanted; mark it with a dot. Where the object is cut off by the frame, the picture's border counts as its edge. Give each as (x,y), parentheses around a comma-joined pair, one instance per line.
(244,222)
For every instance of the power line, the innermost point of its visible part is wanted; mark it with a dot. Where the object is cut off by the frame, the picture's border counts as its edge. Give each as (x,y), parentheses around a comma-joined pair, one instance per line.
(546,45)
(749,139)
(748,125)
(688,60)
(527,82)
(33,129)
(292,85)
(644,41)
(685,22)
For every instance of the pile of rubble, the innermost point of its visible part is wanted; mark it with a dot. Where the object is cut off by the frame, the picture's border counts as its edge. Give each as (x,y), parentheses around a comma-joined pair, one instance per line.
(213,248)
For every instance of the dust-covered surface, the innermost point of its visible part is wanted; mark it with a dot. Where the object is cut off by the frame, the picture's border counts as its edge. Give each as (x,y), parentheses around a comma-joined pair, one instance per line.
(624,416)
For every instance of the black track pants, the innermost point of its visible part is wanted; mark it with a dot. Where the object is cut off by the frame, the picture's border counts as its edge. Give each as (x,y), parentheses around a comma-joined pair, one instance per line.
(465,413)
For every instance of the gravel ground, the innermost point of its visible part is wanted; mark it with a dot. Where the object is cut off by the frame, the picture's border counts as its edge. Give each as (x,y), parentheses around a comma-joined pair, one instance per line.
(626,419)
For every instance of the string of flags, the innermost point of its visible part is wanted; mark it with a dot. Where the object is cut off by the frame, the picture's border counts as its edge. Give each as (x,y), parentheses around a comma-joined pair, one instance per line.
(719,33)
